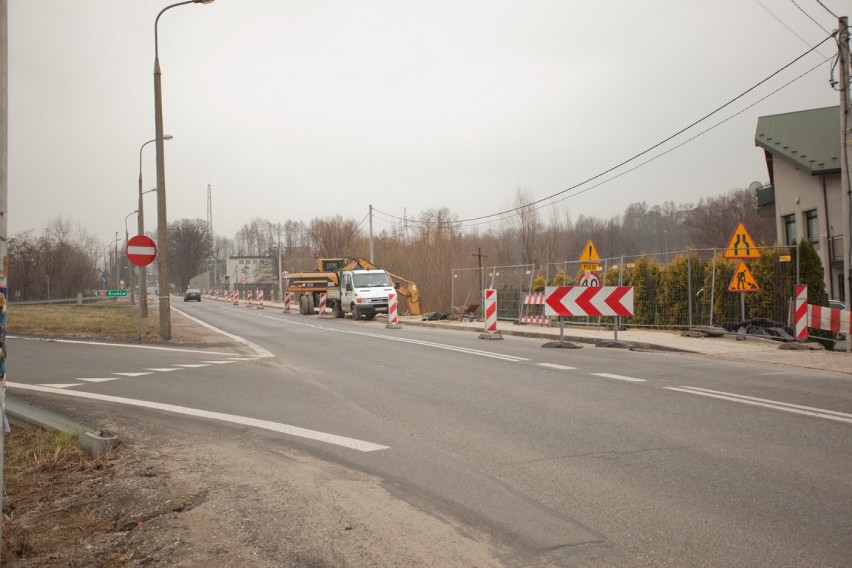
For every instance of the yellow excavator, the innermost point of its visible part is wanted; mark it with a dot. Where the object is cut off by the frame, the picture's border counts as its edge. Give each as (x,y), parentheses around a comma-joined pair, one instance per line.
(307,286)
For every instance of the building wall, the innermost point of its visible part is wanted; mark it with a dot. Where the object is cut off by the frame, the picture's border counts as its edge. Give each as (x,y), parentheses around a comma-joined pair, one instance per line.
(248,267)
(796,192)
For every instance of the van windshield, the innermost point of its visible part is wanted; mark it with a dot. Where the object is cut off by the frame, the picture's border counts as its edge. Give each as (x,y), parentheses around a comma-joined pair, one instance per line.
(371,279)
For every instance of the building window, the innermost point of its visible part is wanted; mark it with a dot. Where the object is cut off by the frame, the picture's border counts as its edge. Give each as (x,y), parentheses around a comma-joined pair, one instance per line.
(789,229)
(813,226)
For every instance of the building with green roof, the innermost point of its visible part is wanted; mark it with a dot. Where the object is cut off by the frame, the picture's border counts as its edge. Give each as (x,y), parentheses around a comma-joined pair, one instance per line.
(802,152)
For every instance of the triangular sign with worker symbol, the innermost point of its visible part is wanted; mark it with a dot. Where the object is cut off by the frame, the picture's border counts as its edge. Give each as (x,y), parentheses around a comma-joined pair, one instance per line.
(743,280)
(590,252)
(741,244)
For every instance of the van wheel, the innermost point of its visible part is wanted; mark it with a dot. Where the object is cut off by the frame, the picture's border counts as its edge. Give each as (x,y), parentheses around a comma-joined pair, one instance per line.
(338,310)
(355,313)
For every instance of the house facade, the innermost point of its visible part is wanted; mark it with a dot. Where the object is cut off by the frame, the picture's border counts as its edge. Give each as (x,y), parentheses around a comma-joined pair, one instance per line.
(802,151)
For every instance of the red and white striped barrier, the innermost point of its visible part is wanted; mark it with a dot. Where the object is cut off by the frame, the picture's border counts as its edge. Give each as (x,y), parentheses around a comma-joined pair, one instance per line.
(534,299)
(538,320)
(393,313)
(216,294)
(588,301)
(829,319)
(260,299)
(801,313)
(490,310)
(286,302)
(818,317)
(322,307)
(248,298)
(236,297)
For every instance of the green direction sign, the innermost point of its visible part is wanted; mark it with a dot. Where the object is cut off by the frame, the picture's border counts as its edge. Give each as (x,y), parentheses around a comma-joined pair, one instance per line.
(112,293)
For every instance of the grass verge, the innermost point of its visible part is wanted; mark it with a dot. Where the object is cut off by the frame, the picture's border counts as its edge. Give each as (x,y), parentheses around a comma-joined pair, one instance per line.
(39,459)
(103,321)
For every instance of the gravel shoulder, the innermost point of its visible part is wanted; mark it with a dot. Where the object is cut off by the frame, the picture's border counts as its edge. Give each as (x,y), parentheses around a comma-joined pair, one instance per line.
(180,497)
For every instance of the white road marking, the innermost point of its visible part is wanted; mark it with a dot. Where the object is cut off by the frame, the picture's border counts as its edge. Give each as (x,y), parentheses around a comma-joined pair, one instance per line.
(261,352)
(99,380)
(466,350)
(555,366)
(132,374)
(766,403)
(619,377)
(343,441)
(192,366)
(218,362)
(163,369)
(60,386)
(131,345)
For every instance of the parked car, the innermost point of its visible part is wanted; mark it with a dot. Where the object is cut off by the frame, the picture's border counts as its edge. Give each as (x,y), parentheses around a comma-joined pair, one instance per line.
(192,294)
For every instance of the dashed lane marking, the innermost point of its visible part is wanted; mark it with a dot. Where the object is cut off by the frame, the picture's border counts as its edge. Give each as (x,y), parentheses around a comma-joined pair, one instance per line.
(343,441)
(555,366)
(132,374)
(619,377)
(99,379)
(61,386)
(163,369)
(192,366)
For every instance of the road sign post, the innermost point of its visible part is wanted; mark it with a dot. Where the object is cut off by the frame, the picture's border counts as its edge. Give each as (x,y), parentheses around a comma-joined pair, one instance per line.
(141,251)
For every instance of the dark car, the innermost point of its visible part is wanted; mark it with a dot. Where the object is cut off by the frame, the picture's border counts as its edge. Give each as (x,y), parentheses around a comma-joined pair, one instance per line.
(192,294)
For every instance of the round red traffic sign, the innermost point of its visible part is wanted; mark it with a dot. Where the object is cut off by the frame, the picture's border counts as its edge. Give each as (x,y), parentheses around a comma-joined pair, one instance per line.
(141,250)
(243,280)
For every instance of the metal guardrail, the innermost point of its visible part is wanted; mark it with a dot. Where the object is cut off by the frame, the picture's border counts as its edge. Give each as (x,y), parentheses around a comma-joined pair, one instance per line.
(78,300)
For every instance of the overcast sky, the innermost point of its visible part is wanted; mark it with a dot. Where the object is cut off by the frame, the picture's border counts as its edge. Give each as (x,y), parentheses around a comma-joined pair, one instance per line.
(298,110)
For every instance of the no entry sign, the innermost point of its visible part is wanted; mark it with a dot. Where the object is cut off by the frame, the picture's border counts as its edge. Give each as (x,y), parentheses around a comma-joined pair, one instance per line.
(141,250)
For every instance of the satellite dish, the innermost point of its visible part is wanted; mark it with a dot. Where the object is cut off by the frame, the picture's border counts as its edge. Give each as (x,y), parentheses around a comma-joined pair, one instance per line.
(754,186)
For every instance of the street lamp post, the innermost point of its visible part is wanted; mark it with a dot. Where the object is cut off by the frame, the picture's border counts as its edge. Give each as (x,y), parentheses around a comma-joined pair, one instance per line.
(126,240)
(143,270)
(162,219)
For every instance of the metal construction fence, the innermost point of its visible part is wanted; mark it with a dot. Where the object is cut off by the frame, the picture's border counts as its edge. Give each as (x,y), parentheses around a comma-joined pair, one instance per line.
(677,289)
(512,283)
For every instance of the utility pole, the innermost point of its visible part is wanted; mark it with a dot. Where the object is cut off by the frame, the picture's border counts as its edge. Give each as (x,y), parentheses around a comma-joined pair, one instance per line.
(4,246)
(371,235)
(845,142)
(479,256)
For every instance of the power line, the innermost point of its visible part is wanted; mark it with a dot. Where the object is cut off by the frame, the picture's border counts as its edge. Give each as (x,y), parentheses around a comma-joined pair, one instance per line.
(802,10)
(782,22)
(650,148)
(827,10)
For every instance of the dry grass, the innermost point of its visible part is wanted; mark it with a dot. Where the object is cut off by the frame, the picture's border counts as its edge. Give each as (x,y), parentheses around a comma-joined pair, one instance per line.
(104,321)
(36,460)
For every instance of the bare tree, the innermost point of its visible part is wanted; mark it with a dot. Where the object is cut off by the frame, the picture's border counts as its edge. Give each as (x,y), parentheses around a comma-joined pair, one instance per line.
(333,236)
(190,246)
(714,219)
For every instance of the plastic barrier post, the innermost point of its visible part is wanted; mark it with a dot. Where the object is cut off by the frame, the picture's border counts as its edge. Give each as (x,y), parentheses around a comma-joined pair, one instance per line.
(393,314)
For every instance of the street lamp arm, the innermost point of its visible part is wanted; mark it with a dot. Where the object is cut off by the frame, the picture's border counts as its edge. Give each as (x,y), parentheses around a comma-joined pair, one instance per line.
(157,21)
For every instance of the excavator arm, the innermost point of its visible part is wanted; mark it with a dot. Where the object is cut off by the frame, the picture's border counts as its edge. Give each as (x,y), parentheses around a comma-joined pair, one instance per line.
(408,289)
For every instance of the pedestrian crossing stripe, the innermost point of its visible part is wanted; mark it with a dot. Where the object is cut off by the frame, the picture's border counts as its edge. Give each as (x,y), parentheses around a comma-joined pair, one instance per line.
(741,244)
(743,280)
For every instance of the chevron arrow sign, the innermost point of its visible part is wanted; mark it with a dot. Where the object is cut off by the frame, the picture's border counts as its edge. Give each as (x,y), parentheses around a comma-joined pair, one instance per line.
(588,301)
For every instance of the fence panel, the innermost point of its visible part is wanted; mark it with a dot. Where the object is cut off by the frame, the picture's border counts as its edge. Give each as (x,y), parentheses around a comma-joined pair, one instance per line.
(467,289)
(512,284)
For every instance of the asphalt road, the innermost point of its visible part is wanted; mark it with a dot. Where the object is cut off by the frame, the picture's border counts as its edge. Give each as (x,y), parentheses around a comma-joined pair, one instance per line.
(567,457)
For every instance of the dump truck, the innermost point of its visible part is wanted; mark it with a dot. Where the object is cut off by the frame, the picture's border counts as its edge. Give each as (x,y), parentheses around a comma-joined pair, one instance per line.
(364,292)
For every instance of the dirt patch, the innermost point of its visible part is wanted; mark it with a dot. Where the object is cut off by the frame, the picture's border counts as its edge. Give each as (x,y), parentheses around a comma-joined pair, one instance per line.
(169,497)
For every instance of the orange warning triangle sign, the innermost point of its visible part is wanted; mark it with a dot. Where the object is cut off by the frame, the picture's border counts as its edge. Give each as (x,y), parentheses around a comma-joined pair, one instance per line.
(743,280)
(590,252)
(741,244)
